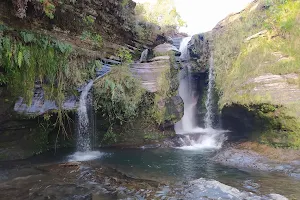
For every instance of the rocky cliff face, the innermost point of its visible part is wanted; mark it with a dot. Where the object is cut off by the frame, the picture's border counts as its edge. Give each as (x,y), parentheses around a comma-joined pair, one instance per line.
(47,53)
(257,71)
(200,52)
(80,33)
(112,19)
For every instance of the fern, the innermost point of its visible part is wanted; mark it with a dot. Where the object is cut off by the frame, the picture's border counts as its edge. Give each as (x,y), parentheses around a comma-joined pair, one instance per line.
(28,37)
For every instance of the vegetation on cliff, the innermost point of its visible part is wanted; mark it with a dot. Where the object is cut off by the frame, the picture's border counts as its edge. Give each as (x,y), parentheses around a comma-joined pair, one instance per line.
(28,57)
(157,17)
(51,46)
(256,54)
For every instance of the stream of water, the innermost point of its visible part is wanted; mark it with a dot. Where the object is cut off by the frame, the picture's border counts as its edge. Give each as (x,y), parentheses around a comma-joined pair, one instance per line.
(209,99)
(85,128)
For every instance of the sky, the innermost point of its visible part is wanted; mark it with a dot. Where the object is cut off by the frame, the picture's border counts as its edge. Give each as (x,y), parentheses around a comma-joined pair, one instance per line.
(203,15)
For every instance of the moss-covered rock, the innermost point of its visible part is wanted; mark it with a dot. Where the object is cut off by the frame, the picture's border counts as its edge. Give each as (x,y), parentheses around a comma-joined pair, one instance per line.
(200,52)
(256,61)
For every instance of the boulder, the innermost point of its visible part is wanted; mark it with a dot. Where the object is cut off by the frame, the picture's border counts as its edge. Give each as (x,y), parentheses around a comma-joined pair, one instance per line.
(211,189)
(150,72)
(165,49)
(199,50)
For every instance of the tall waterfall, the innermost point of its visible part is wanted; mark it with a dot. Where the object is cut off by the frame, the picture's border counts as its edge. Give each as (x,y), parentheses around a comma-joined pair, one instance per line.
(196,137)
(83,132)
(188,122)
(209,99)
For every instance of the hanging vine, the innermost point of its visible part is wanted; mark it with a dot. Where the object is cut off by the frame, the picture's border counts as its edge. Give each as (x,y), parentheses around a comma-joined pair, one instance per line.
(28,59)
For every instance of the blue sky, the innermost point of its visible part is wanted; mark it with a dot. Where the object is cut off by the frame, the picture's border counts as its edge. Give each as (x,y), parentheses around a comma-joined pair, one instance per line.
(203,15)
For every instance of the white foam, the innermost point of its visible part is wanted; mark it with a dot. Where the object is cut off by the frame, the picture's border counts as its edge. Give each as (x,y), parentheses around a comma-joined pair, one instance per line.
(85,156)
(207,142)
(209,139)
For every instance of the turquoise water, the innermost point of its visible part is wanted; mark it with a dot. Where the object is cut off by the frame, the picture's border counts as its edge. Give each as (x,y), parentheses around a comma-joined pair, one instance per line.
(175,165)
(172,166)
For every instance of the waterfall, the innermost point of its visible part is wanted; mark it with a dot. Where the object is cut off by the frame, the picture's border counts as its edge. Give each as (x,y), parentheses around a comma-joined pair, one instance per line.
(196,137)
(187,123)
(85,124)
(144,56)
(83,132)
(85,128)
(209,99)
(185,55)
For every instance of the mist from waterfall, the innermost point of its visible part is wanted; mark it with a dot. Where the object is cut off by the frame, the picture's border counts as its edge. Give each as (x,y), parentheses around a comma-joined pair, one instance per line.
(196,137)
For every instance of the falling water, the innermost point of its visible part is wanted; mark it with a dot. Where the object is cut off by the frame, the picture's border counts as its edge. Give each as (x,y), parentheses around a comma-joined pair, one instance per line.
(209,100)
(83,137)
(195,136)
(185,55)
(187,123)
(85,128)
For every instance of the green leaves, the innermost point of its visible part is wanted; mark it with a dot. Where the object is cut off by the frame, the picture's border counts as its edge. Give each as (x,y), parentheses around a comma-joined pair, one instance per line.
(124,55)
(118,95)
(33,58)
(63,47)
(28,37)
(95,37)
(20,58)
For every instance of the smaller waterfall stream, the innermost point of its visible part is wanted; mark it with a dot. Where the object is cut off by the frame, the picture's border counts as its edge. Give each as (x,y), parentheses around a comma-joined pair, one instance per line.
(209,99)
(83,135)
(85,129)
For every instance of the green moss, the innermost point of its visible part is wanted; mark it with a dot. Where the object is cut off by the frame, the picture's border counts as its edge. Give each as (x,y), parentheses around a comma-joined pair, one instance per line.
(33,57)
(275,51)
(275,126)
(118,95)
(239,61)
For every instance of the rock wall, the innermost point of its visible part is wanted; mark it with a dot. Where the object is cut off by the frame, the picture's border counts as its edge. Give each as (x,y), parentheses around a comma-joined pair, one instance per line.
(257,71)
(93,30)
(200,51)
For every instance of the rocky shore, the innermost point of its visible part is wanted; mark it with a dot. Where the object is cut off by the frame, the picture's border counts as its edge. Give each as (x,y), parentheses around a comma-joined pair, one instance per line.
(259,157)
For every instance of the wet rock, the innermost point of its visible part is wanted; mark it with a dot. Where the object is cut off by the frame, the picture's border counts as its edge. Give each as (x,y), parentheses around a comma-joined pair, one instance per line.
(160,39)
(40,106)
(177,41)
(150,72)
(211,189)
(199,51)
(247,159)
